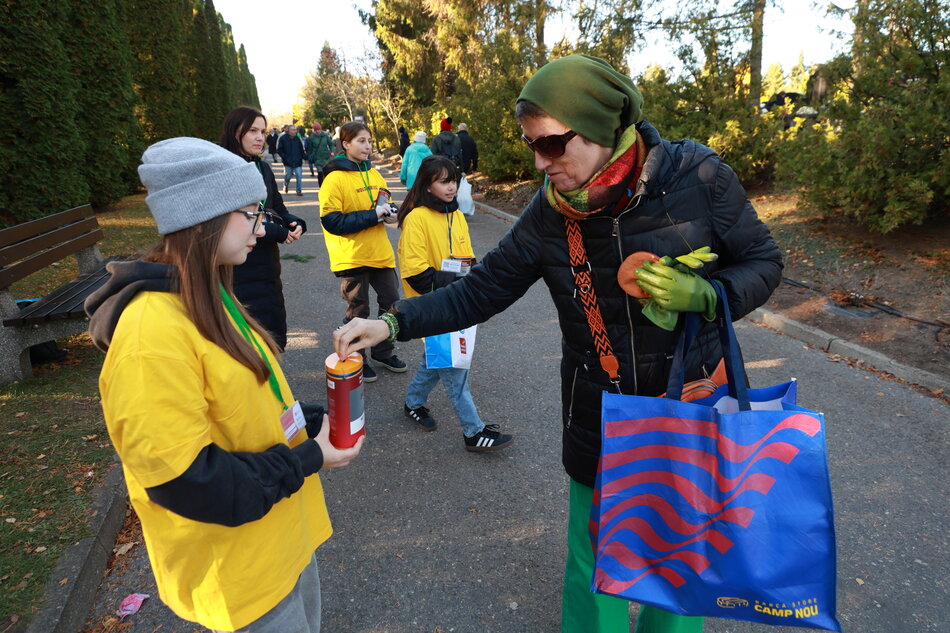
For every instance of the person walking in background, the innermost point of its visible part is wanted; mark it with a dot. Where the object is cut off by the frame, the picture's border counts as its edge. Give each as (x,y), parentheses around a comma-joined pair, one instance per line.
(433,231)
(231,506)
(318,150)
(403,140)
(446,143)
(290,148)
(415,153)
(306,154)
(469,150)
(613,187)
(257,282)
(337,145)
(359,248)
(272,144)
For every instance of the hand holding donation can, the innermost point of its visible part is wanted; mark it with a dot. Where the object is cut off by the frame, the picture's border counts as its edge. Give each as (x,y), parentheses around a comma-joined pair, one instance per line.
(345,408)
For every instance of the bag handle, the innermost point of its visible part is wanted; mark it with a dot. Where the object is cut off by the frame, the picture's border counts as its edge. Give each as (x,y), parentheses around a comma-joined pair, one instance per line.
(738,388)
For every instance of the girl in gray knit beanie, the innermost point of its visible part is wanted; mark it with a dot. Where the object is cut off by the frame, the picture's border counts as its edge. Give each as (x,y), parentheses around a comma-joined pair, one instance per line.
(209,433)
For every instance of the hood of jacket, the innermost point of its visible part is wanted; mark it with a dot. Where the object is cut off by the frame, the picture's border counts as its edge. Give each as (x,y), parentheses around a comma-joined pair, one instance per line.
(106,304)
(341,162)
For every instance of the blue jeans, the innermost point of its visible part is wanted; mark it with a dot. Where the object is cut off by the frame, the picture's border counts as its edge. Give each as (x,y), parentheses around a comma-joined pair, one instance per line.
(293,171)
(456,385)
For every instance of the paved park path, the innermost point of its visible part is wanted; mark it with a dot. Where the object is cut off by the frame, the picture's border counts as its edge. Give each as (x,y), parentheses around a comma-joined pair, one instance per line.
(430,538)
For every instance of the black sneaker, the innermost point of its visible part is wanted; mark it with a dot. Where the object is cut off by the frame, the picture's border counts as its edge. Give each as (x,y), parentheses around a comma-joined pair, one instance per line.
(286,185)
(369,374)
(488,439)
(392,364)
(420,415)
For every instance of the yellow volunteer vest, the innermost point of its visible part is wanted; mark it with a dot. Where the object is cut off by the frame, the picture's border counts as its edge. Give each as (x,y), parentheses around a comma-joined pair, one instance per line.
(167,392)
(345,191)
(424,242)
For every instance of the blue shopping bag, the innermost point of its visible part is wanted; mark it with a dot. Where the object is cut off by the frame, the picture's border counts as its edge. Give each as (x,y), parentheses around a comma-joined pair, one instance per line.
(720,506)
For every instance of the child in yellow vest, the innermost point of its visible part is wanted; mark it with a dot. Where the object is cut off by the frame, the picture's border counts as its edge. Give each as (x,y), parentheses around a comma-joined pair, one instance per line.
(357,242)
(434,230)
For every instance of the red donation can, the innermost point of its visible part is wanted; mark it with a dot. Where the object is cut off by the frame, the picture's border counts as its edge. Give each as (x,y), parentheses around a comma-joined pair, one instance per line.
(345,399)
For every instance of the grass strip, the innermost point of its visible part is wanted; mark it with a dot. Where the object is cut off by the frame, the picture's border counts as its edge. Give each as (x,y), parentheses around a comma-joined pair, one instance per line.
(54,448)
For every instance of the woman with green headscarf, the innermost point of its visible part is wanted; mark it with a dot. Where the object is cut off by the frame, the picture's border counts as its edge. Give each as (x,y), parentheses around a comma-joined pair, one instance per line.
(613,189)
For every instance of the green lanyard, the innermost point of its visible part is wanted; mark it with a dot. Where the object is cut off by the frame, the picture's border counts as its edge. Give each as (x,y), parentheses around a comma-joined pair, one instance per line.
(264,201)
(448,219)
(245,330)
(366,181)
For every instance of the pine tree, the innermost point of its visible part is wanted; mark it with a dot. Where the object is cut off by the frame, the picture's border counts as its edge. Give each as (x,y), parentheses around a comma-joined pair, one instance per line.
(229,55)
(100,57)
(210,89)
(798,76)
(157,36)
(246,81)
(773,81)
(37,105)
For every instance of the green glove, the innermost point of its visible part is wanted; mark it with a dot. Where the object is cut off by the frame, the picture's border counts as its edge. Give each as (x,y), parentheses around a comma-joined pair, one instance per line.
(677,291)
(660,317)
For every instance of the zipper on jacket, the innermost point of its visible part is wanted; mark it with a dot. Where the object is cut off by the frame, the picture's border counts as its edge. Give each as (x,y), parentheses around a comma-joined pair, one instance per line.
(615,232)
(570,406)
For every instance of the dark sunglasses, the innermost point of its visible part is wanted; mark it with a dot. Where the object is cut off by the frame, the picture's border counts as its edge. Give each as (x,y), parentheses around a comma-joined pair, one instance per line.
(552,146)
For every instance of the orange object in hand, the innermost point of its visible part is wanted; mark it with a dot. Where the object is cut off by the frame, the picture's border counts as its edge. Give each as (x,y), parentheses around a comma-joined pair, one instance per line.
(627,275)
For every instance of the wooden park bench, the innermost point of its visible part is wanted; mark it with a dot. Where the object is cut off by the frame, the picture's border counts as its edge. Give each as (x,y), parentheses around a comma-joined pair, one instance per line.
(30,247)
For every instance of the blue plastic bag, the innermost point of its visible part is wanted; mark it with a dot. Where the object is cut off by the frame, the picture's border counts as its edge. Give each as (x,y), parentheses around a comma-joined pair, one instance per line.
(717,507)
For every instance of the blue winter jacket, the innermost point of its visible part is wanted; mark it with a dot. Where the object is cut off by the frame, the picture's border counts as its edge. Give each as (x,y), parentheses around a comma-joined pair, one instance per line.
(411,161)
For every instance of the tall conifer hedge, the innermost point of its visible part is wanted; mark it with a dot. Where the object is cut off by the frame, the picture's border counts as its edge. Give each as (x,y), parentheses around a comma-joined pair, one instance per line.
(85,86)
(39,171)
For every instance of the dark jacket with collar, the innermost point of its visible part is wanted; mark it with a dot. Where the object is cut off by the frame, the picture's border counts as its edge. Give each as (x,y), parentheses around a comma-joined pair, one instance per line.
(687,197)
(291,150)
(469,152)
(257,281)
(447,143)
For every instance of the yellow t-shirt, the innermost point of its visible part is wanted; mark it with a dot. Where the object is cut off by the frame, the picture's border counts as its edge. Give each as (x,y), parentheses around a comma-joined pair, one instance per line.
(424,242)
(167,392)
(345,191)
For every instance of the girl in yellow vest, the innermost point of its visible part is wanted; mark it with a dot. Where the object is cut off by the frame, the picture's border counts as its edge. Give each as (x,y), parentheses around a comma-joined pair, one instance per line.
(434,231)
(357,242)
(219,459)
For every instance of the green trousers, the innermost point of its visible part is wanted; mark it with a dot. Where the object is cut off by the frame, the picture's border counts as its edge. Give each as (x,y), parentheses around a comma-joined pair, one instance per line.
(585,612)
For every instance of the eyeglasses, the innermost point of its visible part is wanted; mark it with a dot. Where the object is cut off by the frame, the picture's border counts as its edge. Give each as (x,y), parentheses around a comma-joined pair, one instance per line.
(552,146)
(260,217)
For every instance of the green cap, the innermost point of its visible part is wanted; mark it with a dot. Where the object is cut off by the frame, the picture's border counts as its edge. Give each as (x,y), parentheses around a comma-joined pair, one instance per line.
(586,94)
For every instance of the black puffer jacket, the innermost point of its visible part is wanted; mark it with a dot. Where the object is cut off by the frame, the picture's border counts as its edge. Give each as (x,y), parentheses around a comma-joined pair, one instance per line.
(687,197)
(257,281)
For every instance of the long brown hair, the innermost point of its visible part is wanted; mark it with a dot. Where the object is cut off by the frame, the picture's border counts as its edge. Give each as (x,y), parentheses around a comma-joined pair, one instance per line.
(191,252)
(431,169)
(236,124)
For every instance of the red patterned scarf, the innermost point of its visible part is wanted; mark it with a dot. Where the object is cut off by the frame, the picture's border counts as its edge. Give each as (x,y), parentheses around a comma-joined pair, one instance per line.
(611,185)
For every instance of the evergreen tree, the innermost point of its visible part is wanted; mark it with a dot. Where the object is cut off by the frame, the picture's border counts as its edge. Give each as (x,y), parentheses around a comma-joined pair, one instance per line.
(229,56)
(798,76)
(39,170)
(211,95)
(100,57)
(773,81)
(157,36)
(405,31)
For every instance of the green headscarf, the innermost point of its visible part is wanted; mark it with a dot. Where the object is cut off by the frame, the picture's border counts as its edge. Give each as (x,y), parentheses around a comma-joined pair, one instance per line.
(586,94)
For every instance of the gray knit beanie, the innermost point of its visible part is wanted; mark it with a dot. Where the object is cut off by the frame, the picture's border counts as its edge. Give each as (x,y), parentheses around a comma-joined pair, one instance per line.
(190,181)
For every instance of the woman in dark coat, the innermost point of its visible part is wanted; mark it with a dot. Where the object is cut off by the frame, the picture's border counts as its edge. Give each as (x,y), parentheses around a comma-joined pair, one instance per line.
(257,281)
(403,140)
(613,186)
